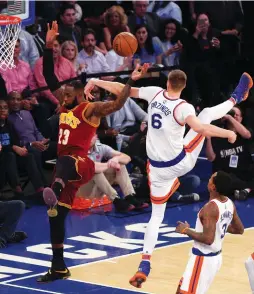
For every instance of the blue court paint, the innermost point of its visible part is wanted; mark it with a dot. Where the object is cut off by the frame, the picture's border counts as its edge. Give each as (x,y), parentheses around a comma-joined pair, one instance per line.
(93,236)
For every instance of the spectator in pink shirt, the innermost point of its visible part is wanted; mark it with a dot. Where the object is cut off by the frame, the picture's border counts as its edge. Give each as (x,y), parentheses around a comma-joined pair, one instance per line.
(20,78)
(63,70)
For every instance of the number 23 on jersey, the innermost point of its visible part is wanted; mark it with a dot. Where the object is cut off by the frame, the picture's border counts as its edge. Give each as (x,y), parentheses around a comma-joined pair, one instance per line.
(63,136)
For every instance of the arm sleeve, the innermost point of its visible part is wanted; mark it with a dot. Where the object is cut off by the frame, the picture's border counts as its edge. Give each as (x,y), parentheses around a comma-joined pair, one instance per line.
(49,70)
(149,93)
(182,111)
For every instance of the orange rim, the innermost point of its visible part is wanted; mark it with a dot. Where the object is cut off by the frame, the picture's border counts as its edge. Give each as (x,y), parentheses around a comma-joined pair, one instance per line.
(8,19)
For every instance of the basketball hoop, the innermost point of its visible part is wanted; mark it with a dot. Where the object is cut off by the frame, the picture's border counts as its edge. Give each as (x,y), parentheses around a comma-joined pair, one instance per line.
(10,27)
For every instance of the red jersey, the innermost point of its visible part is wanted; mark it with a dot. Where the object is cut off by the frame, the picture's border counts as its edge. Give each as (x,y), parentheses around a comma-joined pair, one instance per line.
(75,131)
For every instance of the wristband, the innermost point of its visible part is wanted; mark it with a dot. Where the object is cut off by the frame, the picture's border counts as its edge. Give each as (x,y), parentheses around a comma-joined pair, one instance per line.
(184,230)
(130,82)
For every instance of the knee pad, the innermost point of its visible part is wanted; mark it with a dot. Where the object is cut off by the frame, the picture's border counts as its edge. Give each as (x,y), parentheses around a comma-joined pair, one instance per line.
(57,225)
(66,168)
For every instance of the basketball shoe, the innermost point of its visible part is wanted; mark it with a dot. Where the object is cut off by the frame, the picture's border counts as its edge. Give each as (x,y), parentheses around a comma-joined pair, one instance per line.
(241,91)
(143,272)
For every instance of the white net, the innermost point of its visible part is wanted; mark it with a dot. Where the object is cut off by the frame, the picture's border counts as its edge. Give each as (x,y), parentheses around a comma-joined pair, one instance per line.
(10,27)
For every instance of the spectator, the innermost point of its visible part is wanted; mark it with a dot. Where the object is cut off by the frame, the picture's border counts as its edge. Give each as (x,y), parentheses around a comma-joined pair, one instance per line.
(36,31)
(94,60)
(63,69)
(13,156)
(8,165)
(69,51)
(78,9)
(29,136)
(171,44)
(20,77)
(101,183)
(10,214)
(200,60)
(67,28)
(234,159)
(29,52)
(166,10)
(227,17)
(142,17)
(115,21)
(127,120)
(148,50)
(118,63)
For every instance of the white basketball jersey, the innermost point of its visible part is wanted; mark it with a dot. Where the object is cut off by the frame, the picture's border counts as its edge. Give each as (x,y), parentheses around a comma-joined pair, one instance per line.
(226,211)
(165,135)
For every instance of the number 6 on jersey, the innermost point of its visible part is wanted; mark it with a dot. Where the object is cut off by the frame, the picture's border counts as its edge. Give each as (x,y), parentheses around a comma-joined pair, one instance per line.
(63,136)
(156,121)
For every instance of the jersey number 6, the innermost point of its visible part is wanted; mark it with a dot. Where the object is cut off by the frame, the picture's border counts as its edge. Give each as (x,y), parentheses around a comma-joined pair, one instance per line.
(63,136)
(156,121)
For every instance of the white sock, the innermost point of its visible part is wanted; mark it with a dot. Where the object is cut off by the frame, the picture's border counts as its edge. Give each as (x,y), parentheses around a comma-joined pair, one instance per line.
(249,265)
(152,230)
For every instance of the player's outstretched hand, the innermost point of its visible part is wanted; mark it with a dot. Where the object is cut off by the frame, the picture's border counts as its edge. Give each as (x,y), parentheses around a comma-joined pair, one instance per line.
(232,137)
(52,33)
(139,71)
(87,91)
(181,227)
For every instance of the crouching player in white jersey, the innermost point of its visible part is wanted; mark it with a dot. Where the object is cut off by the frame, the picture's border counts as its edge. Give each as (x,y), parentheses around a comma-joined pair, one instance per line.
(216,218)
(170,154)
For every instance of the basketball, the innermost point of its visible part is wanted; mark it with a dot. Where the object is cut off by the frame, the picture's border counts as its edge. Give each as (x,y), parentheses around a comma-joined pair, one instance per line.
(125,44)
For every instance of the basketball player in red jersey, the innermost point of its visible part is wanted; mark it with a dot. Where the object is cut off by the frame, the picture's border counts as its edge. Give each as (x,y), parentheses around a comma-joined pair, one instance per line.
(77,126)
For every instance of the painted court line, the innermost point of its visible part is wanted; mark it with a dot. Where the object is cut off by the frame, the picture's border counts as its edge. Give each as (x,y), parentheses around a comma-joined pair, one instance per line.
(94,262)
(110,259)
(33,289)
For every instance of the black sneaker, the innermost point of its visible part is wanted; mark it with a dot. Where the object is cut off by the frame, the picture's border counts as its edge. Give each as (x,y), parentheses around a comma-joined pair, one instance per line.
(53,275)
(122,205)
(131,199)
(17,237)
(241,195)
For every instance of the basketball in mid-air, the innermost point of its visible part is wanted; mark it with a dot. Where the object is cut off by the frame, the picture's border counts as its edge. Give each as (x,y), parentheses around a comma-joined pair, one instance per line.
(125,44)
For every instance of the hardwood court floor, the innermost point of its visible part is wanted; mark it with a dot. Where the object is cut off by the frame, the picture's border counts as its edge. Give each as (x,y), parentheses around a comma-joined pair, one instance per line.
(168,264)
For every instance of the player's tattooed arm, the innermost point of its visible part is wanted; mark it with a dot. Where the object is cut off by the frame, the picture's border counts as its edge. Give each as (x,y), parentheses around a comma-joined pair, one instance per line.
(100,109)
(209,216)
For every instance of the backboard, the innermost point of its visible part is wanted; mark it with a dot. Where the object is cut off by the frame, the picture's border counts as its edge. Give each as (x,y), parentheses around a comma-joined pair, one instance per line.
(25,9)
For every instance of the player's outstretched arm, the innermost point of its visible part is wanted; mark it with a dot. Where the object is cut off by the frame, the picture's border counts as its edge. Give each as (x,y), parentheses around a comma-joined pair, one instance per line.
(236,226)
(115,87)
(209,216)
(48,63)
(100,109)
(208,130)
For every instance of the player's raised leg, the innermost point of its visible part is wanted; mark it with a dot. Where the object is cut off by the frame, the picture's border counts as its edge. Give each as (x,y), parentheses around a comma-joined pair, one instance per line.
(193,141)
(249,265)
